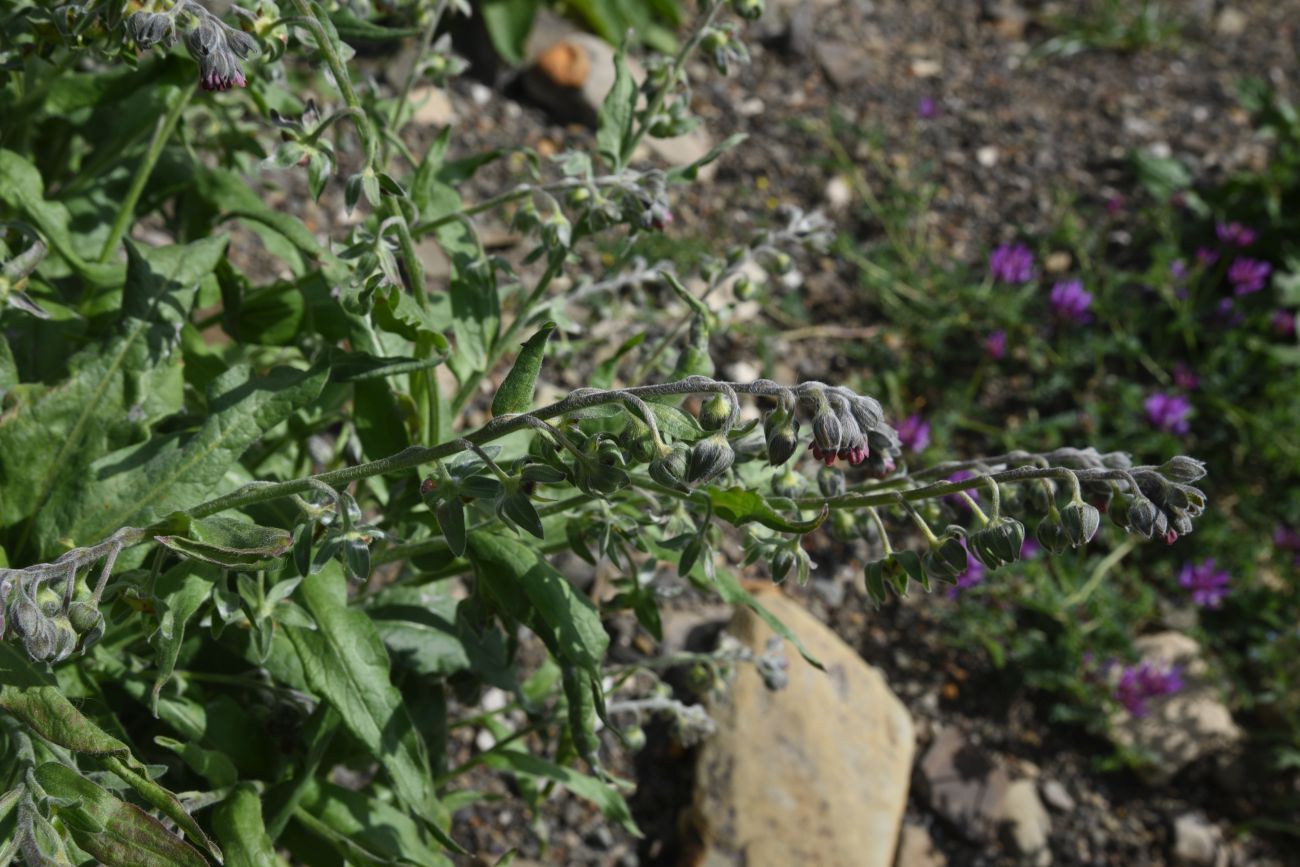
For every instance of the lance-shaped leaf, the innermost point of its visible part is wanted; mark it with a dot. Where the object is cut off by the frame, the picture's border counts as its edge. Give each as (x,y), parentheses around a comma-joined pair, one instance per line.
(231,543)
(178,471)
(345,661)
(741,506)
(115,390)
(116,833)
(606,797)
(164,801)
(549,604)
(516,392)
(617,114)
(178,594)
(30,694)
(238,824)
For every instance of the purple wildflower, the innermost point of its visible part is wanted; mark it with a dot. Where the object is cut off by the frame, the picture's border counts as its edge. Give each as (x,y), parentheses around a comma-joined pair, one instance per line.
(973,575)
(1283,323)
(927,108)
(957,501)
(1168,412)
(1205,257)
(1207,584)
(1235,234)
(996,344)
(914,434)
(1248,275)
(1178,270)
(1287,539)
(1012,264)
(1185,378)
(1140,683)
(1029,548)
(1114,204)
(1071,301)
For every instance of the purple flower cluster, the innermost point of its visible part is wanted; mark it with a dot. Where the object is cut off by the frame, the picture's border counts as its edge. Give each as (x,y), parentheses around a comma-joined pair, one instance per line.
(1235,234)
(1012,264)
(1185,378)
(1138,684)
(1284,323)
(927,108)
(1248,275)
(914,434)
(1205,582)
(1169,412)
(1070,301)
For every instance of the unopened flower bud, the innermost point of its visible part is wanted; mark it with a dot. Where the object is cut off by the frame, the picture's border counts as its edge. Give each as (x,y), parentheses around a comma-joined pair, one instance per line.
(830,482)
(998,543)
(782,563)
(1180,522)
(710,458)
(557,232)
(638,442)
(1145,519)
(87,621)
(1080,522)
(1183,469)
(670,467)
(781,431)
(715,412)
(750,10)
(1051,535)
(826,431)
(947,558)
(634,738)
(41,643)
(745,289)
(1117,510)
(789,484)
(844,526)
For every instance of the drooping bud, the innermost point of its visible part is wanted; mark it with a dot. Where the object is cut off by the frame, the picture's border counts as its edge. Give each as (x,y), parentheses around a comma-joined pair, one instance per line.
(947,558)
(1080,522)
(1051,535)
(998,543)
(670,467)
(1183,469)
(715,412)
(782,563)
(1145,519)
(781,431)
(789,484)
(710,458)
(750,10)
(831,482)
(1117,510)
(844,526)
(87,621)
(826,428)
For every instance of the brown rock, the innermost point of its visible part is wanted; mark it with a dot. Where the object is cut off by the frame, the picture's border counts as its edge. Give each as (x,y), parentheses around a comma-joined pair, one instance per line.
(917,849)
(816,773)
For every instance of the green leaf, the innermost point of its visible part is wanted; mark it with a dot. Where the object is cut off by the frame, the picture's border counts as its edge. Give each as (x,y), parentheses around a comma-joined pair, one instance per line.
(385,833)
(30,694)
(450,513)
(238,824)
(741,506)
(179,593)
(516,392)
(215,767)
(564,618)
(617,114)
(692,171)
(115,391)
(231,543)
(127,836)
(606,797)
(734,593)
(171,473)
(378,418)
(508,23)
(164,801)
(344,660)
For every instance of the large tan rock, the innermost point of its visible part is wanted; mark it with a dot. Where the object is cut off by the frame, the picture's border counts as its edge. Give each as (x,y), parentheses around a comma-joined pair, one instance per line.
(815,773)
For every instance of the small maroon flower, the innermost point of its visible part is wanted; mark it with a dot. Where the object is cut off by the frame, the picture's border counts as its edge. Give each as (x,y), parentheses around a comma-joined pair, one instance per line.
(1283,323)
(1114,204)
(1205,257)
(1206,583)
(1185,378)
(996,344)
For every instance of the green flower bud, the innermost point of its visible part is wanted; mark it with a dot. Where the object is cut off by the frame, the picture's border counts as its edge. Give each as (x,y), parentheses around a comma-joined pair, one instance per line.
(710,458)
(999,543)
(87,621)
(27,615)
(782,563)
(1183,469)
(715,412)
(1180,521)
(1117,510)
(831,482)
(1051,535)
(669,469)
(65,639)
(49,601)
(750,10)
(844,526)
(41,643)
(634,738)
(1145,519)
(789,484)
(745,289)
(638,442)
(826,430)
(947,558)
(579,197)
(557,233)
(782,434)
(1080,522)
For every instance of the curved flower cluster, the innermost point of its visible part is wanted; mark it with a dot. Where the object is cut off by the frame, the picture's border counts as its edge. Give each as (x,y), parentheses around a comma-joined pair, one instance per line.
(851,427)
(218,48)
(1138,684)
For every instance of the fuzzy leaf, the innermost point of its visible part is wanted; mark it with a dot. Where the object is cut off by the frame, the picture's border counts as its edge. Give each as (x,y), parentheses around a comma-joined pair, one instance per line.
(127,836)
(238,824)
(606,797)
(741,505)
(231,543)
(30,694)
(617,114)
(516,392)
